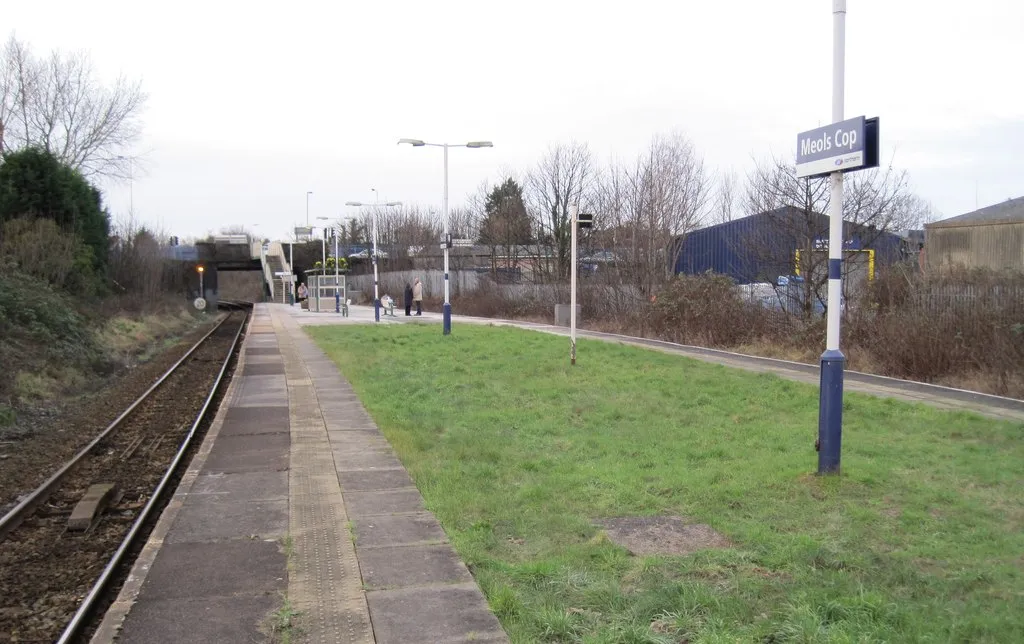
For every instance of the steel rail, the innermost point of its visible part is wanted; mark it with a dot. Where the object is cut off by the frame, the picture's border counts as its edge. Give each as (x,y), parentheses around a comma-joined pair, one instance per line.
(85,608)
(29,503)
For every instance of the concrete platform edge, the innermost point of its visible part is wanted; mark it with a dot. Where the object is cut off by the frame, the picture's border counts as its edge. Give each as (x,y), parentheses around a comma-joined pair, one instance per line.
(114,618)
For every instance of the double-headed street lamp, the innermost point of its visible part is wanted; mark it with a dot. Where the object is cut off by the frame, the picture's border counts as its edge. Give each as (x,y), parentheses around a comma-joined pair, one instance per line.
(446,242)
(376,289)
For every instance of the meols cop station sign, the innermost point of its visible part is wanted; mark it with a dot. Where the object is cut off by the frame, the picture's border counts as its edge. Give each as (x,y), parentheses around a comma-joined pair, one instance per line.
(840,147)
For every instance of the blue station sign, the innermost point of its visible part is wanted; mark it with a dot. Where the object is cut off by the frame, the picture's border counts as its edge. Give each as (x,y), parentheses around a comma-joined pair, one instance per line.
(840,147)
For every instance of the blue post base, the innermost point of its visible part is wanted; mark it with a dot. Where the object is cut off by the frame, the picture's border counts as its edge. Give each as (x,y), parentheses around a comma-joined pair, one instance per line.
(446,317)
(830,412)
(376,310)
(337,302)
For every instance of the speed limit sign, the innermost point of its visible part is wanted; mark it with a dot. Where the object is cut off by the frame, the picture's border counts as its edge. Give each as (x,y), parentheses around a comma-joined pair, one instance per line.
(200,304)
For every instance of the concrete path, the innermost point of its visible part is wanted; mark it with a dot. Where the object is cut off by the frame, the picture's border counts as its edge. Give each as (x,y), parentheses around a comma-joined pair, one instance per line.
(296,509)
(1008,409)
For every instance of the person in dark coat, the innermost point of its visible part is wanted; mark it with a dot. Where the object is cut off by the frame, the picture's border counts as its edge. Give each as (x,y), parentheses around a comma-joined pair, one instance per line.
(408,299)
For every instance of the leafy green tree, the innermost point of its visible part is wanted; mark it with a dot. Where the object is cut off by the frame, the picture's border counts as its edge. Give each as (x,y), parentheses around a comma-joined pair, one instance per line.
(35,184)
(506,224)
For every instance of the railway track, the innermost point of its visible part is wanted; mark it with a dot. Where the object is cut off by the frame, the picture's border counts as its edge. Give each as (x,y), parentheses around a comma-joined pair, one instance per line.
(52,576)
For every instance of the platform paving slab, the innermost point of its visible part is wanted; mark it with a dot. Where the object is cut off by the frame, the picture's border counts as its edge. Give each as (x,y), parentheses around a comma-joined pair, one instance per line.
(213,519)
(374,480)
(435,614)
(381,502)
(397,530)
(354,443)
(402,566)
(242,486)
(244,421)
(222,569)
(263,369)
(202,621)
(260,391)
(259,453)
(366,460)
(264,351)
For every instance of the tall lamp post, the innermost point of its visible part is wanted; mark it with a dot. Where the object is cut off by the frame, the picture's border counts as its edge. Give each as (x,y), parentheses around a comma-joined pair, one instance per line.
(446,242)
(308,192)
(376,288)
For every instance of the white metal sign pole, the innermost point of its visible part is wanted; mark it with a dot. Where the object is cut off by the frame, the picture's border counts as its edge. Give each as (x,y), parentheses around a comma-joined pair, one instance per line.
(337,281)
(830,410)
(574,212)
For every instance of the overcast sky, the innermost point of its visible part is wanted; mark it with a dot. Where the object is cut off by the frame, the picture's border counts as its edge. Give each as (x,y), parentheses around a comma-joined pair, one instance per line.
(252,104)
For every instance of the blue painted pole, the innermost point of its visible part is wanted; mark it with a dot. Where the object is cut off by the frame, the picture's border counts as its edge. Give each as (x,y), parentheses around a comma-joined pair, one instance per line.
(830,403)
(446,310)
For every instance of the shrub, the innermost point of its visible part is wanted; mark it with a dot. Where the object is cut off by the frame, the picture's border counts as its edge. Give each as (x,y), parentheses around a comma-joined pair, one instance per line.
(708,310)
(35,184)
(39,329)
(934,327)
(39,248)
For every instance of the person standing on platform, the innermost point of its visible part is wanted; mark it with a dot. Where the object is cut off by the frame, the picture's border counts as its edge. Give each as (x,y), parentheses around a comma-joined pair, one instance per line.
(408,299)
(417,296)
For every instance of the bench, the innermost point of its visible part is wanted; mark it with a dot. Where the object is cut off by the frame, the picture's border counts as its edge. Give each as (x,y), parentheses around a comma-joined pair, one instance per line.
(389,307)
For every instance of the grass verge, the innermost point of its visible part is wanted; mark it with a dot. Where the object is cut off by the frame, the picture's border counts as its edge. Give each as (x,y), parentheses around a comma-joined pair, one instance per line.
(518,454)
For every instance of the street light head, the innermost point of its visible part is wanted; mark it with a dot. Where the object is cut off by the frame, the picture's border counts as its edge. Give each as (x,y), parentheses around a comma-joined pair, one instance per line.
(392,203)
(323,218)
(353,203)
(413,142)
(309,192)
(479,144)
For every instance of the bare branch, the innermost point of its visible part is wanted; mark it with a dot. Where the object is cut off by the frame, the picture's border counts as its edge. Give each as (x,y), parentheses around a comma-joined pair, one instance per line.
(562,178)
(59,105)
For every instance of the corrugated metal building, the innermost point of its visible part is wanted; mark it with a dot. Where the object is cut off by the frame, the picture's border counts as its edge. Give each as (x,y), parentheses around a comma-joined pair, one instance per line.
(762,247)
(992,237)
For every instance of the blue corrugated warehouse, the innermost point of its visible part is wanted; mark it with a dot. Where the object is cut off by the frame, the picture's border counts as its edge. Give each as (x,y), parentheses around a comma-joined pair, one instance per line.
(762,247)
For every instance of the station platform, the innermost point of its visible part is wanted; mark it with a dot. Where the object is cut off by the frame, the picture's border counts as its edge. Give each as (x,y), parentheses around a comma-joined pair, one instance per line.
(296,514)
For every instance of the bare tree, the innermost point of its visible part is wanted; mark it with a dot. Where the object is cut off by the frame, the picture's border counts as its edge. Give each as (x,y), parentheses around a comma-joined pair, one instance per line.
(561,179)
(59,104)
(401,232)
(725,197)
(875,202)
(649,206)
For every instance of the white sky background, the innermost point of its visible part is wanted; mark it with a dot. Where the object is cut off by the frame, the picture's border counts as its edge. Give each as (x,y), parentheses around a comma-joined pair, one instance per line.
(252,104)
